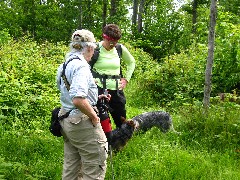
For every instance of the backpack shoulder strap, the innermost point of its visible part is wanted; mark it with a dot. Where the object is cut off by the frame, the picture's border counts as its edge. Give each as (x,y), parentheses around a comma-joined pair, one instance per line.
(63,71)
(95,56)
(119,50)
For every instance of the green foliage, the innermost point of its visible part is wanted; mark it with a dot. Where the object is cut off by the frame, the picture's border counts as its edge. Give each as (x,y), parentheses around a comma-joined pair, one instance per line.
(165,31)
(56,20)
(141,95)
(226,74)
(29,154)
(9,20)
(179,79)
(3,166)
(207,146)
(231,6)
(218,131)
(4,37)
(28,94)
(27,78)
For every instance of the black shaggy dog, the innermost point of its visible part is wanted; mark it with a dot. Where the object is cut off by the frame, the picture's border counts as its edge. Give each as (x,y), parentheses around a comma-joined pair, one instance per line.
(141,123)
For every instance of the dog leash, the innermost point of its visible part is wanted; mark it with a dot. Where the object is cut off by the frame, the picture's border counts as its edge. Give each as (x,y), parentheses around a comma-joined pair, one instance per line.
(110,148)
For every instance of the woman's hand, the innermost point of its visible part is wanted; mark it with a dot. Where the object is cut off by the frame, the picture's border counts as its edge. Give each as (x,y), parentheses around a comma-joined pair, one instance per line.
(83,105)
(123,83)
(95,121)
(106,97)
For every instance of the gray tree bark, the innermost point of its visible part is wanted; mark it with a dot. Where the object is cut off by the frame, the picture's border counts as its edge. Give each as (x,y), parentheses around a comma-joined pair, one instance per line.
(113,10)
(141,9)
(194,15)
(134,16)
(211,39)
(104,14)
(80,14)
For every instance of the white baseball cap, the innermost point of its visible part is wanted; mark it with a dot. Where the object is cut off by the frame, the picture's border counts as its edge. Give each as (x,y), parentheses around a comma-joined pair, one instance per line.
(83,35)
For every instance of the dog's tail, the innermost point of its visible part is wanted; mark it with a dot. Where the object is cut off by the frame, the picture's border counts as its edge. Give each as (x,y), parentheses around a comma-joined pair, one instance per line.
(173,130)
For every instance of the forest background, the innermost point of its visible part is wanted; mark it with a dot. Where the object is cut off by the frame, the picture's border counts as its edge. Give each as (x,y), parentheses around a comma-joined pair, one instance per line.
(170,45)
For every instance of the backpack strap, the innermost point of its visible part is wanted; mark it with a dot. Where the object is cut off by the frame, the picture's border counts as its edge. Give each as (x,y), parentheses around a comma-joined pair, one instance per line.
(64,69)
(119,50)
(95,56)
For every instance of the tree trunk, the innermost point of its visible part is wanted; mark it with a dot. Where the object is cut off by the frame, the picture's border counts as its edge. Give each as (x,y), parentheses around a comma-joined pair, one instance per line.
(135,11)
(113,10)
(211,38)
(134,17)
(194,15)
(80,14)
(104,14)
(141,9)
(33,18)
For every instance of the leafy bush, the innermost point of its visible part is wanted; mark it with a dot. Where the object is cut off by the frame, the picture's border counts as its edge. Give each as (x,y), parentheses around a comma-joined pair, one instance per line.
(226,72)
(137,93)
(4,37)
(180,78)
(28,89)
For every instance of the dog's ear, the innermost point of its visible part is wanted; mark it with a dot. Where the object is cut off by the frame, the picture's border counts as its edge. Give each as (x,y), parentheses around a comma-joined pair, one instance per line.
(123,119)
(131,123)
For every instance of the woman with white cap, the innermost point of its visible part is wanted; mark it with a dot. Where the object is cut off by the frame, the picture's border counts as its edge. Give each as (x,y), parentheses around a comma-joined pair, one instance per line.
(85,144)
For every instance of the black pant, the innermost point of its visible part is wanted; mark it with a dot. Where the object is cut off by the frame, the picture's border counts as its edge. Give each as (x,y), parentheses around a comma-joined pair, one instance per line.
(116,105)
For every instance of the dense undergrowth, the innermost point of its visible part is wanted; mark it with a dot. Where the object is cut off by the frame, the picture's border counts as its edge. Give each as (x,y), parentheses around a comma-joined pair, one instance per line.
(206,147)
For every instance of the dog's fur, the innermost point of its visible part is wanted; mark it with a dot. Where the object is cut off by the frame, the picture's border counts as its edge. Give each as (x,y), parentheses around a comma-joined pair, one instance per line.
(146,121)
(140,123)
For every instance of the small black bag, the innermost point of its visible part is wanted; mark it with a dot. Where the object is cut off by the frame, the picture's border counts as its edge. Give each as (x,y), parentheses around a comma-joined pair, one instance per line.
(55,127)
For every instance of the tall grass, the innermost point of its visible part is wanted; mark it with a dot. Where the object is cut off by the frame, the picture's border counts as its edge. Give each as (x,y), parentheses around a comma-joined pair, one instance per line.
(207,147)
(155,156)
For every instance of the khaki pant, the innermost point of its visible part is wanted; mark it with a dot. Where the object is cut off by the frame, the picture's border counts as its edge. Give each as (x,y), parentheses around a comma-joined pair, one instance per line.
(85,149)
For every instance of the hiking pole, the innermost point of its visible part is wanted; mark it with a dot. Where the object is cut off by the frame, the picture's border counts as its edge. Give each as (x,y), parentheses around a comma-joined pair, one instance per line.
(110,148)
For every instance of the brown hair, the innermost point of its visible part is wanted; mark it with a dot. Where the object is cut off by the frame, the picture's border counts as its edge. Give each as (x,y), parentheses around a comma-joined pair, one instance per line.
(113,31)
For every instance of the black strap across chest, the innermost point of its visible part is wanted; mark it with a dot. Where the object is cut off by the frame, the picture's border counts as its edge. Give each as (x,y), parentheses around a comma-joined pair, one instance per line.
(64,69)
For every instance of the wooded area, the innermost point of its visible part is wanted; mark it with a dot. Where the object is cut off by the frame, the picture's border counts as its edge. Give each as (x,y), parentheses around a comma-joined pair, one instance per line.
(175,48)
(157,26)
(161,28)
